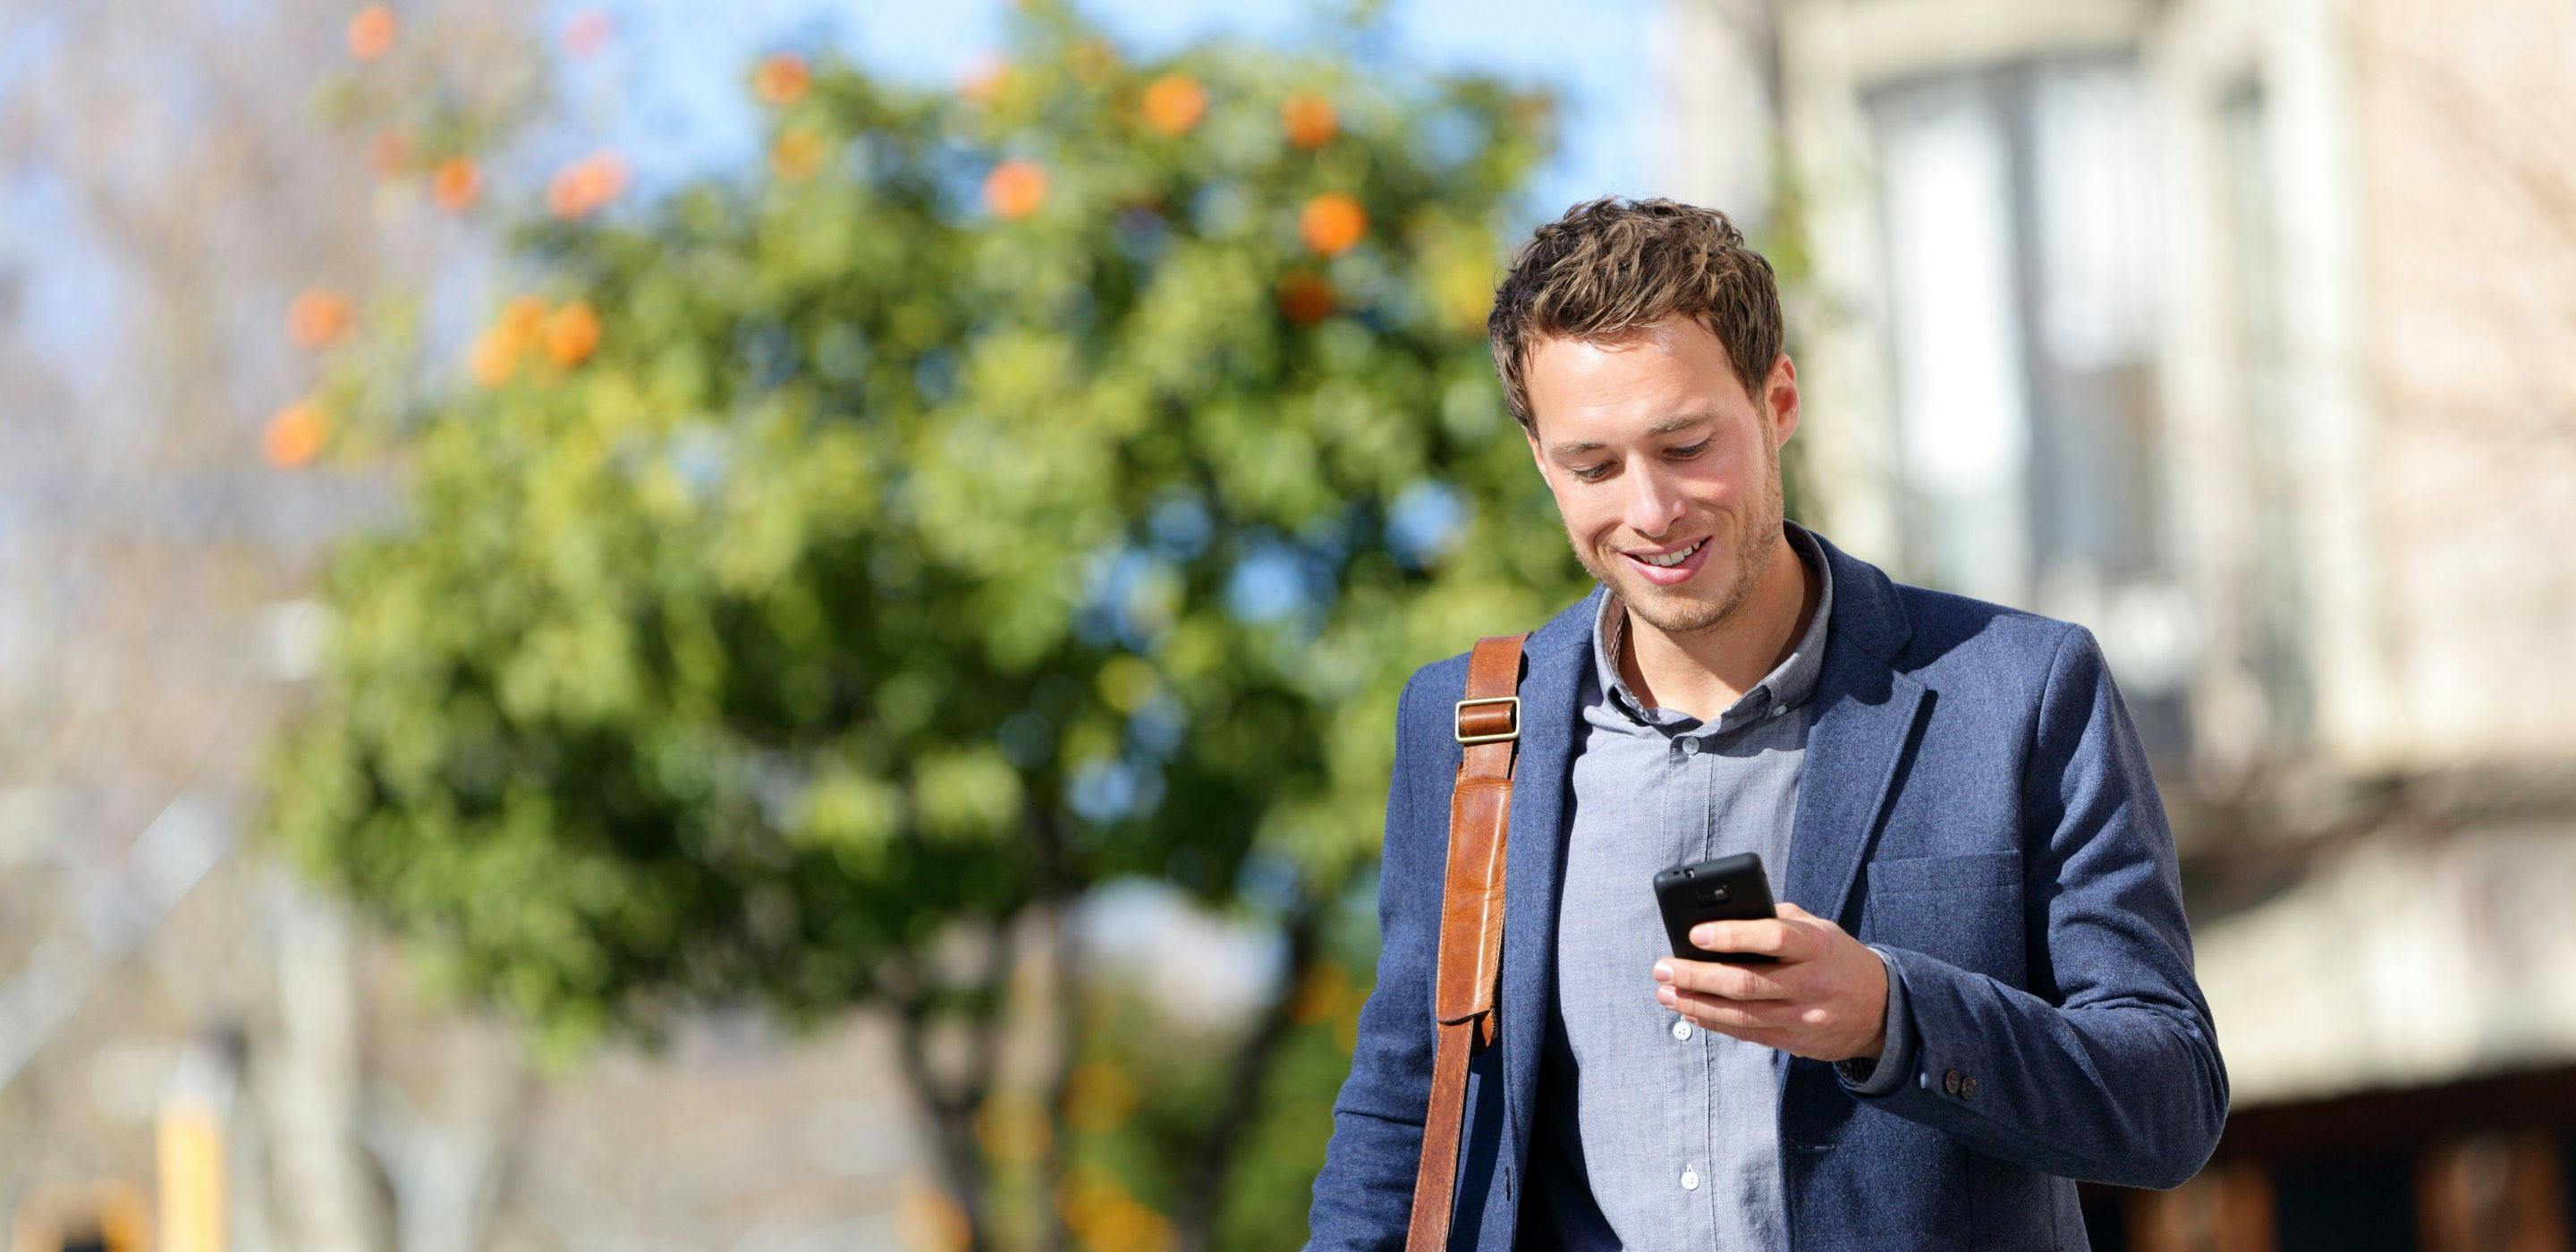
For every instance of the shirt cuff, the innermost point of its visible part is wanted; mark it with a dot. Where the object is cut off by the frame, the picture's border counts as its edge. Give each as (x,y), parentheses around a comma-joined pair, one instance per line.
(1867,1076)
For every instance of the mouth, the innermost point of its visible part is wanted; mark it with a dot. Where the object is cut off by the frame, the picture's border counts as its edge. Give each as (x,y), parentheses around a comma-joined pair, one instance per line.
(1667,568)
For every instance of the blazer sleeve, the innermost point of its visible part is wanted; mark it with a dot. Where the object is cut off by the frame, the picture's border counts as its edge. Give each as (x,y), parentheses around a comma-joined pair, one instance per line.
(1364,1194)
(2106,1068)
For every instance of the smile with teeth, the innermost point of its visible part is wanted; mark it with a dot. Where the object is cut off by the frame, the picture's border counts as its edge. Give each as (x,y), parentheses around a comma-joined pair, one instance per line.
(1670,559)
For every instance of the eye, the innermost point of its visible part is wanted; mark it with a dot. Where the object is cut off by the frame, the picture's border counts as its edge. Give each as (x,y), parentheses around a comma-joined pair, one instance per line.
(1684,454)
(1590,473)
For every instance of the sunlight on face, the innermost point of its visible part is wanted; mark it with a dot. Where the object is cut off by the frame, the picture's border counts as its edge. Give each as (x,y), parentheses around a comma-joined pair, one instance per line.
(1667,474)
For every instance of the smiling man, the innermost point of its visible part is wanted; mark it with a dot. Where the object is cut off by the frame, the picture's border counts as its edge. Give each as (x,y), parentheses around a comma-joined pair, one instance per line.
(1983,987)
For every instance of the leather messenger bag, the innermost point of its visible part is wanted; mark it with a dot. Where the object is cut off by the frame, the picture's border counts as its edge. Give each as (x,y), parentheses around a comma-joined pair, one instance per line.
(1471,920)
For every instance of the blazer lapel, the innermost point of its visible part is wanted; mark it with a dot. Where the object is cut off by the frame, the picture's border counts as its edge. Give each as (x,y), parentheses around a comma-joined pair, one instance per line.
(1865,712)
(1557,654)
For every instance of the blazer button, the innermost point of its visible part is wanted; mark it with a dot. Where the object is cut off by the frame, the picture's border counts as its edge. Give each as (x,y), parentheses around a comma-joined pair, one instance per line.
(1950,1081)
(1967,1085)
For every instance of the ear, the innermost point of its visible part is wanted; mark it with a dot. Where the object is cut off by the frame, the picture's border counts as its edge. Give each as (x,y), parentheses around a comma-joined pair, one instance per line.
(1780,397)
(1537,457)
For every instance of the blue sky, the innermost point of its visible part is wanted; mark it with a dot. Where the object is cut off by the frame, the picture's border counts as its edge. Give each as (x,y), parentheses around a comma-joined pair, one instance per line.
(670,91)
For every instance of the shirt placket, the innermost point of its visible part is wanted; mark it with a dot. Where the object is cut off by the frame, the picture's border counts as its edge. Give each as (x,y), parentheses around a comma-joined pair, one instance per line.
(1691,1167)
(1703,774)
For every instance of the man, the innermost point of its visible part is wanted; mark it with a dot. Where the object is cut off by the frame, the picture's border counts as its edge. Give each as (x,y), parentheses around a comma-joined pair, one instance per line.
(1984,986)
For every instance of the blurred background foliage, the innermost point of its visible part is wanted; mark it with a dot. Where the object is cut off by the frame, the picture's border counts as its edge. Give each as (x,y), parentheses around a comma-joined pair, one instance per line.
(813,582)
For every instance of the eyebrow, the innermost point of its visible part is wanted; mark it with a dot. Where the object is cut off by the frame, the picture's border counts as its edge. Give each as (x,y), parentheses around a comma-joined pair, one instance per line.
(1664,427)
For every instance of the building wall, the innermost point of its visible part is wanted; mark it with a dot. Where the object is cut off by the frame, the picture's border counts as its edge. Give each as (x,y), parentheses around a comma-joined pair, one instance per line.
(2365,219)
(2363,228)
(2466,188)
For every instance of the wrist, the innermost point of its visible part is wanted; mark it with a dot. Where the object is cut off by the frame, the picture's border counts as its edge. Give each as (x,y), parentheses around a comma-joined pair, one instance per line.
(1875,997)
(1880,1071)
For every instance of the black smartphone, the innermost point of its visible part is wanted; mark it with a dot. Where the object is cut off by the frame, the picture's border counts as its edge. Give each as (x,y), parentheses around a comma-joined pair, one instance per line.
(1728,889)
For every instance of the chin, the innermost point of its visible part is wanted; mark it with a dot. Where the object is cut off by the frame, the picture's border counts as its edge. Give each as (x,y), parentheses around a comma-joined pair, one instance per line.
(1681,610)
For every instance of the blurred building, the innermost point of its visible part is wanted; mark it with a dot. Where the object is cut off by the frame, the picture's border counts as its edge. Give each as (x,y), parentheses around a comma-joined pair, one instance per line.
(200,1054)
(2241,333)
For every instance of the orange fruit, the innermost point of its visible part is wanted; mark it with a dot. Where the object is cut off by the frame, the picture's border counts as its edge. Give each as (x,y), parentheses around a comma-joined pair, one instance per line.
(568,193)
(295,433)
(1332,223)
(781,79)
(1305,298)
(1309,120)
(493,358)
(796,155)
(1174,103)
(521,320)
(572,333)
(318,318)
(371,32)
(455,183)
(1015,189)
(584,186)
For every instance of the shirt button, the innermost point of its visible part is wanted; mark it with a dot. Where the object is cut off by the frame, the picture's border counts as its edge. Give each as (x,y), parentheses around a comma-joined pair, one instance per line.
(1690,747)
(1681,1030)
(1777,710)
(1690,1180)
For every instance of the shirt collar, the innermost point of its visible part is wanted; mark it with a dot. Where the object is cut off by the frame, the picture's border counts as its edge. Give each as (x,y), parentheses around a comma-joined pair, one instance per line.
(1787,685)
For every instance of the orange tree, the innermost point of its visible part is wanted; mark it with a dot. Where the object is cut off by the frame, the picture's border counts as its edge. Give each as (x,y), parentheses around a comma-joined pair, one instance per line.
(831,570)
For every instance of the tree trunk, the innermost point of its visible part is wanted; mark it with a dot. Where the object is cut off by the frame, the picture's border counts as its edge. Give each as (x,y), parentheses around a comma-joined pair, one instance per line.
(312,1091)
(1202,1198)
(952,1126)
(1062,1023)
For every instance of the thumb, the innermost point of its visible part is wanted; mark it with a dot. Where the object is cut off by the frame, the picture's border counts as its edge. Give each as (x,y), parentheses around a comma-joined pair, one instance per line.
(1789,908)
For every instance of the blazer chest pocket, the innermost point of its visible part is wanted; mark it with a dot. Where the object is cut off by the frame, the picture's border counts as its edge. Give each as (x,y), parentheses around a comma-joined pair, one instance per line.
(1974,871)
(1964,909)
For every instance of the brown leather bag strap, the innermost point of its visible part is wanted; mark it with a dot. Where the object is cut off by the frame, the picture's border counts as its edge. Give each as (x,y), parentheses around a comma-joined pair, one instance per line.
(1471,921)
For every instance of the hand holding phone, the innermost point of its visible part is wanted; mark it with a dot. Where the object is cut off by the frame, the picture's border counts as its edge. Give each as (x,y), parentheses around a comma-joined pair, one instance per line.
(1833,1010)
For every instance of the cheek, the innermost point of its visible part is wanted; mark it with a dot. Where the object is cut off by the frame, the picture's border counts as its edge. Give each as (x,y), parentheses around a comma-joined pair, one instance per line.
(1730,482)
(1580,508)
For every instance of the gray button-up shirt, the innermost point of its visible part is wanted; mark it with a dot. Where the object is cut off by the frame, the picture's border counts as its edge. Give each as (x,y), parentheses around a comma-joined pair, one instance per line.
(1653,1133)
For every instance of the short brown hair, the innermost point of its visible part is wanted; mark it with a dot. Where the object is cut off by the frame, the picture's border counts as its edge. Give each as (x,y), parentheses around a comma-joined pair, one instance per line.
(1612,266)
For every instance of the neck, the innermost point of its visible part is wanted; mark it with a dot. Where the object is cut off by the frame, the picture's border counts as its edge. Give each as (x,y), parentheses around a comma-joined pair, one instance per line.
(1703,672)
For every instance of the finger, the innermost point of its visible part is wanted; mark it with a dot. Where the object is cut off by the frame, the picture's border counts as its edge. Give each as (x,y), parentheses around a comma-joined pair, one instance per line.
(1789,1025)
(1732,1016)
(1733,982)
(1768,936)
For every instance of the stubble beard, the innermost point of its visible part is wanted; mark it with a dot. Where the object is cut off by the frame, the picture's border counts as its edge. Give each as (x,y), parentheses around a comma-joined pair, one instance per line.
(1675,616)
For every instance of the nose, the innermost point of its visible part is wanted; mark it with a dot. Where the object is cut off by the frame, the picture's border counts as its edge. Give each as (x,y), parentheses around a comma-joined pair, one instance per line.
(1653,502)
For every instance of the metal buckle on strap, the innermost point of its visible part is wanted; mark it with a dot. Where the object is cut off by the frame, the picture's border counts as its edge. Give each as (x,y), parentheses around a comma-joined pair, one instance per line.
(1460,729)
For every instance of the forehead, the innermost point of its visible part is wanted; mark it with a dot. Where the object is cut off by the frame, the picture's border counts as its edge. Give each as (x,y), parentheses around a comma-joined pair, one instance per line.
(1599,389)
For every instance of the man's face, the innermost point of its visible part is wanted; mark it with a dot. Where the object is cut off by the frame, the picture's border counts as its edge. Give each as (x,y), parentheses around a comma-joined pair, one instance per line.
(1667,474)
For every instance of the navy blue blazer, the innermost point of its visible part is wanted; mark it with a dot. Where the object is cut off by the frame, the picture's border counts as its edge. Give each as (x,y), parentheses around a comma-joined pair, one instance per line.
(1976,803)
